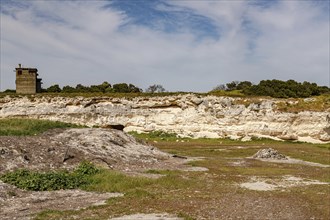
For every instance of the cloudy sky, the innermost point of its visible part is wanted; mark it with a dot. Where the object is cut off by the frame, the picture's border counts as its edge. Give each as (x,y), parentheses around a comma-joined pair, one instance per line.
(184,45)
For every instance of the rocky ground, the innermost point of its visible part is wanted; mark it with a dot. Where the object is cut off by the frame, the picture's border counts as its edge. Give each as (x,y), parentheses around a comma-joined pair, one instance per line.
(248,182)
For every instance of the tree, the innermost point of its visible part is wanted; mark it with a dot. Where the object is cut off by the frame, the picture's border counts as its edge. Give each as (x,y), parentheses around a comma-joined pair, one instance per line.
(220,87)
(121,87)
(124,88)
(244,85)
(232,85)
(285,89)
(81,88)
(134,89)
(54,88)
(156,88)
(68,89)
(104,86)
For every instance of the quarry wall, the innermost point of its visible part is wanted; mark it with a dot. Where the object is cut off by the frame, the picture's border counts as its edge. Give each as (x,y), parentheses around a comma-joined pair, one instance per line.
(187,115)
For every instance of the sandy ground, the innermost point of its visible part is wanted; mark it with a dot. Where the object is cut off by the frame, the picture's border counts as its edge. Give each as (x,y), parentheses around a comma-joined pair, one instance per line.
(162,216)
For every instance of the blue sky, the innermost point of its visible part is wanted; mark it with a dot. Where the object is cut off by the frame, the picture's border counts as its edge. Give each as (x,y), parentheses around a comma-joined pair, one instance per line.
(184,45)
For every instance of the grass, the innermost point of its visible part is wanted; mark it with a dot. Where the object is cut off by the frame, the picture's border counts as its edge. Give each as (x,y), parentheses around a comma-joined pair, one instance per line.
(20,127)
(112,181)
(319,104)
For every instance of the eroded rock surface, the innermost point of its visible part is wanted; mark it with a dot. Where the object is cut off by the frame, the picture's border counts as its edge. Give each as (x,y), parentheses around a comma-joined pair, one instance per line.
(187,115)
(267,184)
(65,148)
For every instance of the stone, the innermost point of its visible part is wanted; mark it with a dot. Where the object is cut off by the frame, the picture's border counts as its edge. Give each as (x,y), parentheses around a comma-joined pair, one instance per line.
(246,138)
(269,153)
(288,137)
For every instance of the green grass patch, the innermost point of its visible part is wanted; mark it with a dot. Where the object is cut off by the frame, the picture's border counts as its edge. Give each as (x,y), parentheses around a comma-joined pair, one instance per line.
(112,181)
(161,172)
(19,127)
(48,214)
(158,136)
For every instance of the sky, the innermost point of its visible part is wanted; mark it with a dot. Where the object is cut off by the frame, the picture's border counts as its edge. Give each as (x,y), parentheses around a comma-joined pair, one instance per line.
(184,45)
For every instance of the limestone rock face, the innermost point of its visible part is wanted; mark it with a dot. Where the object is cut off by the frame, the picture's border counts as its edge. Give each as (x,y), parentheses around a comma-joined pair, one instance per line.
(187,115)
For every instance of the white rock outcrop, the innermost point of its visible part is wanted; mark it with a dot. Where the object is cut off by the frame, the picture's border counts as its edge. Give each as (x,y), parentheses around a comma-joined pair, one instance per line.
(187,115)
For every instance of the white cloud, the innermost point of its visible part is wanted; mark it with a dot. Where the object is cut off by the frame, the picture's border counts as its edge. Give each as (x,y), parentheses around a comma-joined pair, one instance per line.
(75,42)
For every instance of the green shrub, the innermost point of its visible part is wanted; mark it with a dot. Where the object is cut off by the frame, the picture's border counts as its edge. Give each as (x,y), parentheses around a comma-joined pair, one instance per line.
(31,180)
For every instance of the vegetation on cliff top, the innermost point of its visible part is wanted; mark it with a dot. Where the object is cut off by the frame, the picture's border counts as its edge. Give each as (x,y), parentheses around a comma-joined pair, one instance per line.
(276,88)
(272,88)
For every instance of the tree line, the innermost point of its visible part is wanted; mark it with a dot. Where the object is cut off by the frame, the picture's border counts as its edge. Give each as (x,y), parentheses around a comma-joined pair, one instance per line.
(275,88)
(105,87)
